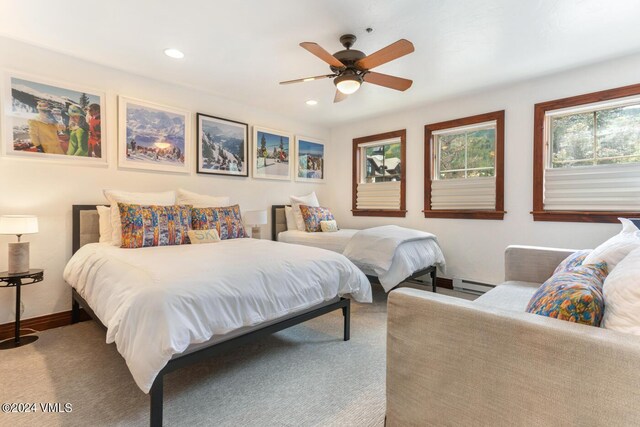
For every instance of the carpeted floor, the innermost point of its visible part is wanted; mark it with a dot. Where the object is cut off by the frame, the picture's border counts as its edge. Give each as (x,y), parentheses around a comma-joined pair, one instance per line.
(302,376)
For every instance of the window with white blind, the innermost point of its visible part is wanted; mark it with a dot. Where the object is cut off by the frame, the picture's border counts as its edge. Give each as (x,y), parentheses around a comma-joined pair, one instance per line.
(587,157)
(378,175)
(463,167)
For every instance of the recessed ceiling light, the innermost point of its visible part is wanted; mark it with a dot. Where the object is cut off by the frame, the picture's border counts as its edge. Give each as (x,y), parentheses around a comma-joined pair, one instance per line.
(174,53)
(312,102)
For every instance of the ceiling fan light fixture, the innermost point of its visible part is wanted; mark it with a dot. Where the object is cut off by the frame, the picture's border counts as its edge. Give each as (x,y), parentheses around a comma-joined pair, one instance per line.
(348,83)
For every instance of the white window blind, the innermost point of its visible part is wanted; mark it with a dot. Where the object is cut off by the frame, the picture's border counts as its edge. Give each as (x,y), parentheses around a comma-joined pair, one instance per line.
(378,195)
(593,188)
(465,193)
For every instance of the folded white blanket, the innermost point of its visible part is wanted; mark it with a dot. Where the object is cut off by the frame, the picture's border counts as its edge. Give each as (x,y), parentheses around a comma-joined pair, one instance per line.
(375,247)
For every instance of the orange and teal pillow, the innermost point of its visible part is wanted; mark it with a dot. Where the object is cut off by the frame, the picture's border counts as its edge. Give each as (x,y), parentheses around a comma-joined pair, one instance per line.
(574,295)
(313,216)
(150,225)
(574,260)
(227,221)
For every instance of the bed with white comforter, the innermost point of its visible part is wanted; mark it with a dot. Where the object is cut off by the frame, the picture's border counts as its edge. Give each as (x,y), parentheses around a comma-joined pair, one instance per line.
(157,302)
(390,253)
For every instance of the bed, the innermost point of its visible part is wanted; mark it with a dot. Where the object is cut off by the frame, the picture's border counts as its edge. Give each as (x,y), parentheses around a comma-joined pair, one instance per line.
(170,306)
(411,260)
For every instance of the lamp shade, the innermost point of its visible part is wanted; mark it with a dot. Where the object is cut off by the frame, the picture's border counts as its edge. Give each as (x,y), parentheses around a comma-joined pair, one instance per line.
(255,217)
(18,224)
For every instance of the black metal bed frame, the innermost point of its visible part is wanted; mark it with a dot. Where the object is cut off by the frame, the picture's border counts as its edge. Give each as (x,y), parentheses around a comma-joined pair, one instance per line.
(432,270)
(157,389)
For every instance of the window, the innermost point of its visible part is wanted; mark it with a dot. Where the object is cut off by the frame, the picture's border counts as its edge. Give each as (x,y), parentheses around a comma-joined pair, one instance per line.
(587,157)
(379,175)
(464,168)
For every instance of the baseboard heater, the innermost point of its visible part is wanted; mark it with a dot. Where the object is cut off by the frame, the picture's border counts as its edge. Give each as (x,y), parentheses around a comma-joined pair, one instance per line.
(471,286)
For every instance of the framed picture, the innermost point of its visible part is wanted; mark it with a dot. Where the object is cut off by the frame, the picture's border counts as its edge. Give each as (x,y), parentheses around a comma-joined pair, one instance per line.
(53,121)
(309,160)
(153,137)
(223,146)
(271,154)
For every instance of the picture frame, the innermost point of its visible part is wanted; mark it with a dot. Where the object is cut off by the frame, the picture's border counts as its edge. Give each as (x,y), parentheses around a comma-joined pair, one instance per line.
(153,137)
(272,150)
(47,120)
(222,146)
(310,157)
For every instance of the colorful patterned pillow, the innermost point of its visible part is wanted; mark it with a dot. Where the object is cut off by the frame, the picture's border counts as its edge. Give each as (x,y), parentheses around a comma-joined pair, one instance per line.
(144,226)
(574,295)
(312,217)
(226,221)
(572,261)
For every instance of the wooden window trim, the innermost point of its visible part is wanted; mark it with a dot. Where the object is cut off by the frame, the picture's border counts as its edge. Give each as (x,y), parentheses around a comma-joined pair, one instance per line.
(539,213)
(495,214)
(402,134)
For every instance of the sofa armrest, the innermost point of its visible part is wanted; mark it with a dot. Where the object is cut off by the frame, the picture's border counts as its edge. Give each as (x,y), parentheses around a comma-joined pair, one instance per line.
(531,263)
(450,362)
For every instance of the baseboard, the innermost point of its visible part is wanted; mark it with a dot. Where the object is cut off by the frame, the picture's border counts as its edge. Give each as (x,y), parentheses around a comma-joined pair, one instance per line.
(40,323)
(443,282)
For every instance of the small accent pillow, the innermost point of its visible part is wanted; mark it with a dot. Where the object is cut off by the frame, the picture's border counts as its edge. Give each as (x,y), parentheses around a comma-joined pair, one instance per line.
(144,226)
(574,295)
(226,221)
(572,261)
(313,216)
(198,237)
(310,200)
(330,226)
(616,248)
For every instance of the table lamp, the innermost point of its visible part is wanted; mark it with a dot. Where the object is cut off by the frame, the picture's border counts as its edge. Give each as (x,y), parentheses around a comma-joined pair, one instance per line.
(18,252)
(255,219)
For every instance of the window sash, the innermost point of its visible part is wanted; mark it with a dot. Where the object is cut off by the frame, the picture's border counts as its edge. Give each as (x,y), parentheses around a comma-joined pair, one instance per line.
(362,148)
(461,130)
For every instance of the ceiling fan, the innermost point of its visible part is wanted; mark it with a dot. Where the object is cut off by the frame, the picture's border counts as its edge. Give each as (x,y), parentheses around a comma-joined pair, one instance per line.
(350,67)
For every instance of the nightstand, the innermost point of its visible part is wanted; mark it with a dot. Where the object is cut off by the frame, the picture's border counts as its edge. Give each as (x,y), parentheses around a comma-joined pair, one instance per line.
(18,280)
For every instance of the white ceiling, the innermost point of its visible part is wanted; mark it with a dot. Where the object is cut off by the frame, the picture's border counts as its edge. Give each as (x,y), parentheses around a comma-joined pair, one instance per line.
(241,49)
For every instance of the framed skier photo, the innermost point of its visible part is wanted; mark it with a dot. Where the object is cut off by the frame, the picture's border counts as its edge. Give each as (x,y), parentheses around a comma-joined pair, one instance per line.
(271,154)
(222,147)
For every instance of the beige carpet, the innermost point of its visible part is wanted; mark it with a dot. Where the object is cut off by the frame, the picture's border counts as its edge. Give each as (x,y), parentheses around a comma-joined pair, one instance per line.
(303,376)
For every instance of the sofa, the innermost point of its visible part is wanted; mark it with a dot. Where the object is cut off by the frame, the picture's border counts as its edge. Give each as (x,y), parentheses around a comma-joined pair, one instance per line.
(487,362)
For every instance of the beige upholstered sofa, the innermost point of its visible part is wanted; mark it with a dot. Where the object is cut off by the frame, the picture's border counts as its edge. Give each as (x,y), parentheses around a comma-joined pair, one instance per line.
(488,362)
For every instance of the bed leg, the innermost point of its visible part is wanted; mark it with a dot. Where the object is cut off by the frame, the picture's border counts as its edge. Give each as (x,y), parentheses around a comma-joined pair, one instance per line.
(346,312)
(156,402)
(434,279)
(75,310)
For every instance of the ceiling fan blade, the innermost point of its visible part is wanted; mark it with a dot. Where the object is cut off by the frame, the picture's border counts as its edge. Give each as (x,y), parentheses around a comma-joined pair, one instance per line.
(392,82)
(394,51)
(318,51)
(339,96)
(308,79)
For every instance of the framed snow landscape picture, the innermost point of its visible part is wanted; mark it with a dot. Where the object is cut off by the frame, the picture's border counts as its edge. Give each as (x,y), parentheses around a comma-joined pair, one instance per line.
(222,146)
(309,160)
(271,154)
(53,121)
(153,137)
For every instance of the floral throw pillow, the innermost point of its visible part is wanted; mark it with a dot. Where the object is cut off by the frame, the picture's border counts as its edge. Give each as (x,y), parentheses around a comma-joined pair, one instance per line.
(574,260)
(313,216)
(226,221)
(144,226)
(574,295)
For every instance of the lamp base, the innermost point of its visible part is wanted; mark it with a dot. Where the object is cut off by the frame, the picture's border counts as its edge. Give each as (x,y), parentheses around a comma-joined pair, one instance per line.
(255,232)
(11,342)
(18,257)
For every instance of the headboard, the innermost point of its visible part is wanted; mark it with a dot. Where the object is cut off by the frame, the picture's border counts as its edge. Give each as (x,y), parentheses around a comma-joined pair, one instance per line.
(278,221)
(85,226)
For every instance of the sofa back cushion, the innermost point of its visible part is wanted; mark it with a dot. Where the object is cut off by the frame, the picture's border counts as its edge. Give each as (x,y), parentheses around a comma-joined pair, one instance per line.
(574,295)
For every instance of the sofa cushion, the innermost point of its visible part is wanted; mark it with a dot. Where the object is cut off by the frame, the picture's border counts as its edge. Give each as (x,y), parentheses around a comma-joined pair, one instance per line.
(574,295)
(512,295)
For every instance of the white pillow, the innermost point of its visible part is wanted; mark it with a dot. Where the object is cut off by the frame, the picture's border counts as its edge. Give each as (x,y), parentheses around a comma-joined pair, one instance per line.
(622,296)
(616,248)
(184,197)
(291,220)
(330,226)
(309,200)
(165,198)
(104,221)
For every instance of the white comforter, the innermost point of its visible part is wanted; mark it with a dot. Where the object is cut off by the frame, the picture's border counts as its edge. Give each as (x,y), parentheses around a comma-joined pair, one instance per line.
(155,302)
(376,248)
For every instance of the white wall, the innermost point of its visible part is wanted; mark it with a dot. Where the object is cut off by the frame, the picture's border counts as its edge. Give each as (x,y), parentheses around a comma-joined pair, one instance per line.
(48,190)
(474,248)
